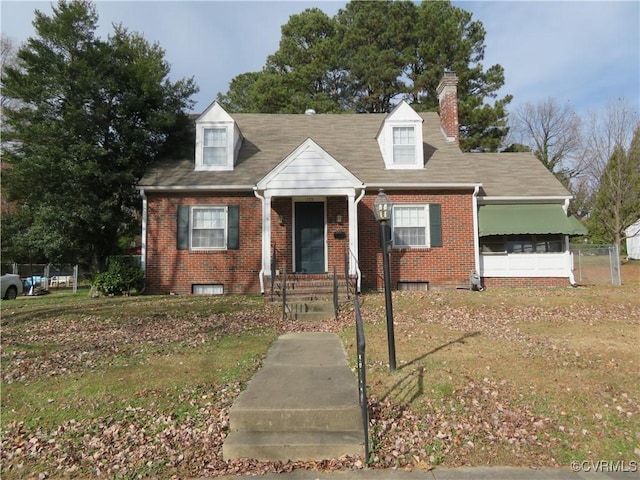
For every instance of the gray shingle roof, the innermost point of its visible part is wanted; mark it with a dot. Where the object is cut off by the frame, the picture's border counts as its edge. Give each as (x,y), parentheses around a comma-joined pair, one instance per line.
(351,140)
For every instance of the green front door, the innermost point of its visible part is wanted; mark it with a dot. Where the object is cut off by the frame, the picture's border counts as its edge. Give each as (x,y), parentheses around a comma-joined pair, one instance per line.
(309,237)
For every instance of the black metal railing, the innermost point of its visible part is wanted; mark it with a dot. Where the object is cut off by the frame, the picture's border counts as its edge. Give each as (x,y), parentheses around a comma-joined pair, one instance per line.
(284,293)
(275,268)
(351,283)
(362,375)
(336,304)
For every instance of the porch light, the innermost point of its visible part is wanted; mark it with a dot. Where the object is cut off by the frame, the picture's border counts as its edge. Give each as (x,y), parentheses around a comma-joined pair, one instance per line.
(281,219)
(382,210)
(382,206)
(339,219)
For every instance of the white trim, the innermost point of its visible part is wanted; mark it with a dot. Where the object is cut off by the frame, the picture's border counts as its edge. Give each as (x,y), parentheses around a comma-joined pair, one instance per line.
(262,262)
(353,238)
(528,199)
(192,227)
(427,224)
(298,174)
(143,240)
(476,231)
(189,188)
(430,186)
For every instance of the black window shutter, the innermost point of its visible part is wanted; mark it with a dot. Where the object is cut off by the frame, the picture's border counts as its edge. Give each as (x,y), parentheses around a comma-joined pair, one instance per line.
(233,233)
(435,224)
(183,228)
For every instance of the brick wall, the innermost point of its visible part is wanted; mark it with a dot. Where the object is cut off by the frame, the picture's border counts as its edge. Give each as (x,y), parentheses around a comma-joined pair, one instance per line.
(524,282)
(170,270)
(448,265)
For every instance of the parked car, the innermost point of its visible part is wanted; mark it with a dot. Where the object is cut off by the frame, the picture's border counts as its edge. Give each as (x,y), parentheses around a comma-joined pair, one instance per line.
(11,286)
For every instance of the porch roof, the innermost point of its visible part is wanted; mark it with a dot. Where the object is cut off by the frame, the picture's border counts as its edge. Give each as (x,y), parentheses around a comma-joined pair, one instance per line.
(351,140)
(527,219)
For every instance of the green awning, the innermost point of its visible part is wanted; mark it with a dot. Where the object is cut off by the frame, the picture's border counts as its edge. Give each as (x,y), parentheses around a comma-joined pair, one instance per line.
(530,219)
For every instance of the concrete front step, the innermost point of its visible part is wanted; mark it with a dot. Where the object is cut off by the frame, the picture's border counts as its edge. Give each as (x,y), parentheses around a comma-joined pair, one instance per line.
(310,311)
(294,446)
(302,404)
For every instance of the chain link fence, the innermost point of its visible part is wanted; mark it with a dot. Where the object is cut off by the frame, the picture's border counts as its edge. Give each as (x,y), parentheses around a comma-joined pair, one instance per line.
(44,277)
(596,264)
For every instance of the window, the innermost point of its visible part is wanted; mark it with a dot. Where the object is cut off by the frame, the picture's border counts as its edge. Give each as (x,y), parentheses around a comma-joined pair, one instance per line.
(207,289)
(208,227)
(214,147)
(205,227)
(521,244)
(417,225)
(410,226)
(404,146)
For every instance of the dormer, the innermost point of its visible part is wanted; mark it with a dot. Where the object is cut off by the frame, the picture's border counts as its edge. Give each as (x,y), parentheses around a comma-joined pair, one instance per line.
(218,140)
(400,139)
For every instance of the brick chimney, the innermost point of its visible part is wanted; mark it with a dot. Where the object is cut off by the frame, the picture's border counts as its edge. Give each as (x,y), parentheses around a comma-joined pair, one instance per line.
(448,98)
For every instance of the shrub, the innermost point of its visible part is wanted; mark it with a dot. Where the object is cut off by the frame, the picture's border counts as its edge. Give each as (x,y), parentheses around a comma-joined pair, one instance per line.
(123,275)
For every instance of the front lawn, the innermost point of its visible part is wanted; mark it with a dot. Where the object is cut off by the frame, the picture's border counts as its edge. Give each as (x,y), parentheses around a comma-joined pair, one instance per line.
(141,386)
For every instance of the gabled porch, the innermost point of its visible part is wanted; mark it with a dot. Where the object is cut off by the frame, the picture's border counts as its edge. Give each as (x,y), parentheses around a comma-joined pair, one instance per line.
(309,220)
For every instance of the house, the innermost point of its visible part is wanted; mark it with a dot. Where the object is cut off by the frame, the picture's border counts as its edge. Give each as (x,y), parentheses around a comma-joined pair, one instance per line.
(632,234)
(268,193)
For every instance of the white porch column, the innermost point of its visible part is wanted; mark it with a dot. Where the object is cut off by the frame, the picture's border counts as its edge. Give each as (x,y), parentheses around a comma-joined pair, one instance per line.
(353,232)
(354,268)
(266,234)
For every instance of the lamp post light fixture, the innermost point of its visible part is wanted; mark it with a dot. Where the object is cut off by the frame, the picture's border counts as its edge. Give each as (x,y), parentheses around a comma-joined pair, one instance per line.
(382,210)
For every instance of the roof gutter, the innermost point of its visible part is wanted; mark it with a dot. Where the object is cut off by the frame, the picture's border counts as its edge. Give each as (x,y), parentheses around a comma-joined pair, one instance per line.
(199,188)
(430,186)
(531,199)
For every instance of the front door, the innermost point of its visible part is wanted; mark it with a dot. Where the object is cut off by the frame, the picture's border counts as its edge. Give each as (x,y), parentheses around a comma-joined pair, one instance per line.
(309,237)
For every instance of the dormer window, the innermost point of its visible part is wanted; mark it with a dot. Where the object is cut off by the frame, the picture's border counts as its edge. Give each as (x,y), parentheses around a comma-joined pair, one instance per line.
(400,139)
(214,147)
(218,140)
(404,146)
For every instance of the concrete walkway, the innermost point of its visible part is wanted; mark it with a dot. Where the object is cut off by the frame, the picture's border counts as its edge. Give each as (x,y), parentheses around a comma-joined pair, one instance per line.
(301,405)
(305,382)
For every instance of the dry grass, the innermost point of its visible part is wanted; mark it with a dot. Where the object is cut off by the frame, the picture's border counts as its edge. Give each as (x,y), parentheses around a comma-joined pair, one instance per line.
(141,386)
(562,362)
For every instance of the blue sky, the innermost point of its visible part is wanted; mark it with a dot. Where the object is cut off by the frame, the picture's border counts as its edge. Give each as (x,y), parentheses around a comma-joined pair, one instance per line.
(584,53)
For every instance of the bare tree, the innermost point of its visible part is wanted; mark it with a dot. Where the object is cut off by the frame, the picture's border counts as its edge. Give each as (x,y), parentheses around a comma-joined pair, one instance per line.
(8,58)
(612,146)
(552,131)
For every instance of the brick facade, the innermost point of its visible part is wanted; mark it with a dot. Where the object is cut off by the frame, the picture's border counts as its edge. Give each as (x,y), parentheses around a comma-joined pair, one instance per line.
(170,270)
(448,265)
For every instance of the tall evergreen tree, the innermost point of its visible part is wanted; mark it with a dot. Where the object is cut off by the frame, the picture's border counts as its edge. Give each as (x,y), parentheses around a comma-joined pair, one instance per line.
(373,54)
(93,115)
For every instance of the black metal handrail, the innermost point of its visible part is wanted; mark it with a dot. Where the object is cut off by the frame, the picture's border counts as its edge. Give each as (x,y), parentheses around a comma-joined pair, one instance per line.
(274,271)
(274,262)
(336,305)
(350,288)
(362,376)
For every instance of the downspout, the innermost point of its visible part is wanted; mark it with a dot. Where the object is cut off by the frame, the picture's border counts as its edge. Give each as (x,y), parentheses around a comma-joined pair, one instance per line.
(358,272)
(572,279)
(143,241)
(261,273)
(476,231)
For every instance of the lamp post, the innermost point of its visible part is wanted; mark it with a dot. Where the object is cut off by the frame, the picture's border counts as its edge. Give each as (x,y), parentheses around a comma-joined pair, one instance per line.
(382,211)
